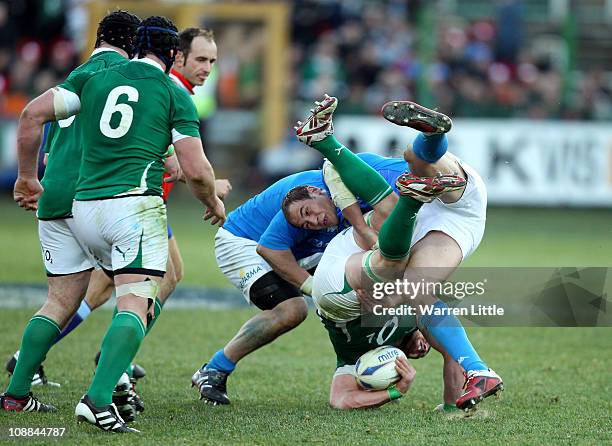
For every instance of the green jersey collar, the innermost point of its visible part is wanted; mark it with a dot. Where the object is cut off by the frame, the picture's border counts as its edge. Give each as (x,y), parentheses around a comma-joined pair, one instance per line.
(101,50)
(149,62)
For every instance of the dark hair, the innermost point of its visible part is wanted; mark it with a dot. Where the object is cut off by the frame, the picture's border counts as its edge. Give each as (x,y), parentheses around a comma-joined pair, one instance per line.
(118,29)
(296,194)
(159,36)
(187,35)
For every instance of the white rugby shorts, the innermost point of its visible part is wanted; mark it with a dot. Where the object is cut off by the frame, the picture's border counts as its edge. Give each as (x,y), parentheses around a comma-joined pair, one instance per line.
(463,220)
(238,260)
(61,251)
(126,235)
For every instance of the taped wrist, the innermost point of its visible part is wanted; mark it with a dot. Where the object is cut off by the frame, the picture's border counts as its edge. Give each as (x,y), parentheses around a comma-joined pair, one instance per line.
(306,286)
(340,194)
(394,394)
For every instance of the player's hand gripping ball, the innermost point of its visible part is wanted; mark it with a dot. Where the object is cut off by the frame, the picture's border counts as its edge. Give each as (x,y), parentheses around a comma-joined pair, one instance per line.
(375,370)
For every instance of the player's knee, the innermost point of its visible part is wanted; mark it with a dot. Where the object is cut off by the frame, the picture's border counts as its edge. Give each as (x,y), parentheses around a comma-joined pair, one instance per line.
(56,311)
(99,296)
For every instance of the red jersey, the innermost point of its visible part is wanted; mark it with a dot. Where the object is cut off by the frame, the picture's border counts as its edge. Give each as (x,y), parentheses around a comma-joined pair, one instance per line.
(182,82)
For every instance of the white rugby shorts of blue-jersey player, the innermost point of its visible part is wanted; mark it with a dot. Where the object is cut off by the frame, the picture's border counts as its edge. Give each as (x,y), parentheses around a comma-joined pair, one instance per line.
(261,221)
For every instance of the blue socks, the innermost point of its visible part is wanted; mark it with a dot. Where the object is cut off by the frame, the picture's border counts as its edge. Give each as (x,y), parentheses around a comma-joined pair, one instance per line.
(221,363)
(430,148)
(79,317)
(449,332)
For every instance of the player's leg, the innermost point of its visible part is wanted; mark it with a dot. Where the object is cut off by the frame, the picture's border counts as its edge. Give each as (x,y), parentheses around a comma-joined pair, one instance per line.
(65,293)
(177,259)
(101,287)
(174,274)
(138,256)
(434,250)
(395,235)
(99,291)
(362,179)
(426,157)
(439,254)
(174,270)
(359,177)
(446,235)
(68,270)
(283,308)
(135,294)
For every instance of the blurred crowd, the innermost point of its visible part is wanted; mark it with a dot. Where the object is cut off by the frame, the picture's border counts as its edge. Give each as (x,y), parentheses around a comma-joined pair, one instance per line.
(371,52)
(365,52)
(37,50)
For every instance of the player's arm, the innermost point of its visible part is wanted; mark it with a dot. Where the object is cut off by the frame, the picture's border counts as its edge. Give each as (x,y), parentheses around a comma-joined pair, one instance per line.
(346,201)
(198,172)
(365,236)
(199,176)
(223,187)
(56,103)
(346,394)
(275,247)
(172,167)
(284,263)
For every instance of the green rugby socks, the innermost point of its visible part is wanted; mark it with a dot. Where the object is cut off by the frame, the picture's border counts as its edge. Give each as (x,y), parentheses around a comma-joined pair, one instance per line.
(395,235)
(119,347)
(359,177)
(38,337)
(396,232)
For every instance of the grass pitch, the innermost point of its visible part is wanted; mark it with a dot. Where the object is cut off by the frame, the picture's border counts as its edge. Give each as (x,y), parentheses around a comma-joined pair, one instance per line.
(557,388)
(513,237)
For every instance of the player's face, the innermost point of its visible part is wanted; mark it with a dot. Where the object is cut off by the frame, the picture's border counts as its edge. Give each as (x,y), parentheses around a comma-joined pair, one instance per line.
(199,62)
(417,347)
(314,214)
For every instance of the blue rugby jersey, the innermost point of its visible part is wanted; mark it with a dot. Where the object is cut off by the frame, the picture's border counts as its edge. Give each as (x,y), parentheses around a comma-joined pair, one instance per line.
(261,218)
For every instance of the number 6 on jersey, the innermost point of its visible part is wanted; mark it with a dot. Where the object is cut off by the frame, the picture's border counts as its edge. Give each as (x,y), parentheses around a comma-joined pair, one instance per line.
(111,107)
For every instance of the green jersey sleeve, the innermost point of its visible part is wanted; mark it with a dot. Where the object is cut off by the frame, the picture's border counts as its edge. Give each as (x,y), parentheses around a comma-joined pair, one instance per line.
(185,117)
(76,80)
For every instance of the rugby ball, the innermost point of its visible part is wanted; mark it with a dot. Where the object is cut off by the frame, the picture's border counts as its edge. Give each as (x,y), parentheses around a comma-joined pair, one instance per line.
(375,370)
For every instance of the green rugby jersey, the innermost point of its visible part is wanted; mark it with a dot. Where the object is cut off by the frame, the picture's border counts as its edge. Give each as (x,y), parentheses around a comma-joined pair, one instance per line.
(351,339)
(134,111)
(63,145)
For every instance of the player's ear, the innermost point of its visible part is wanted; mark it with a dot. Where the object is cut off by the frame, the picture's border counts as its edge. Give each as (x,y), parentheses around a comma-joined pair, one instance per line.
(313,190)
(180,59)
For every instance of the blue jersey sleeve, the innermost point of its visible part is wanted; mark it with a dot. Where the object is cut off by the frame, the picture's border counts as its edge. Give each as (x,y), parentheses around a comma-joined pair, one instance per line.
(280,234)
